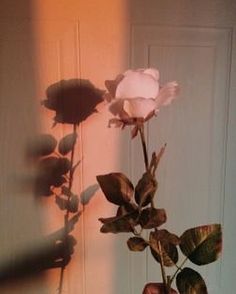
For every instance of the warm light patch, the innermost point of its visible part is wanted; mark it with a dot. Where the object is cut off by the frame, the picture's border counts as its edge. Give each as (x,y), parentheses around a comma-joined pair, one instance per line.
(83,40)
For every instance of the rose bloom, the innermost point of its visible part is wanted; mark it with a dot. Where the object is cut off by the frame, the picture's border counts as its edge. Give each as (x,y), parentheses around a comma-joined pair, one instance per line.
(136,95)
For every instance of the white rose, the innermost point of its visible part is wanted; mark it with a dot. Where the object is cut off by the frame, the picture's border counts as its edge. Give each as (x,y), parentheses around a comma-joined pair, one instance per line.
(137,95)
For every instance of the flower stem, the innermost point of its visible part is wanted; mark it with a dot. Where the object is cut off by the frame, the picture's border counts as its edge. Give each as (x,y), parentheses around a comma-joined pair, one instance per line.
(144,146)
(178,269)
(146,161)
(67,214)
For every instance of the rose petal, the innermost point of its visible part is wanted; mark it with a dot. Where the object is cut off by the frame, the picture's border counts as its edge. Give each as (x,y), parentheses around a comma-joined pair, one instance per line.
(152,72)
(137,84)
(167,93)
(139,107)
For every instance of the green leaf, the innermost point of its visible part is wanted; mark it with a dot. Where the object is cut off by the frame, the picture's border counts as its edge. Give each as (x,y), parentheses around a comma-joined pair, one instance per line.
(156,288)
(116,187)
(67,143)
(145,189)
(164,242)
(202,245)
(151,218)
(119,224)
(189,281)
(137,244)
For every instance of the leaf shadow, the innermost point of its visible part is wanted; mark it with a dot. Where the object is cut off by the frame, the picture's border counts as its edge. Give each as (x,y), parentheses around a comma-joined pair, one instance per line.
(54,251)
(87,195)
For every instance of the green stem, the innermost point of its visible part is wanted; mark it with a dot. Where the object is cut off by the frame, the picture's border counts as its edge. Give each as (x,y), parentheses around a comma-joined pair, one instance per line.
(67,214)
(144,146)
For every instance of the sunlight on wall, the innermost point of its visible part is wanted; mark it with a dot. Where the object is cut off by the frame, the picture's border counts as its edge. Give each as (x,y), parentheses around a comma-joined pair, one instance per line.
(87,40)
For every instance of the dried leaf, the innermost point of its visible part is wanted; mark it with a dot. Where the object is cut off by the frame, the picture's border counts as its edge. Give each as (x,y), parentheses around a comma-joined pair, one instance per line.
(202,245)
(116,187)
(67,143)
(151,218)
(137,244)
(189,281)
(168,249)
(156,159)
(145,189)
(126,209)
(119,224)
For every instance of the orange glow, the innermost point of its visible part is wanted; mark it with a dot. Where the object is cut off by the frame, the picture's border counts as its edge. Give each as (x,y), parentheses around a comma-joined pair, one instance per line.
(88,40)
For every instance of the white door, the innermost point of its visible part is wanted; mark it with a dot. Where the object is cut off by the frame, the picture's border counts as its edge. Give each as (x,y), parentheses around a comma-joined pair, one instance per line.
(193,42)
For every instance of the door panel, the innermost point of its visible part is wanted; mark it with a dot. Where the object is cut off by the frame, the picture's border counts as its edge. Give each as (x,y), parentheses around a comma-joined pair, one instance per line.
(194,127)
(189,44)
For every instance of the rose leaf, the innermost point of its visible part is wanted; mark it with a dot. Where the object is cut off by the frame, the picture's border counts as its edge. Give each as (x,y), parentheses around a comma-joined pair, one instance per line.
(163,242)
(137,244)
(119,224)
(145,189)
(116,187)
(126,209)
(189,281)
(202,245)
(151,218)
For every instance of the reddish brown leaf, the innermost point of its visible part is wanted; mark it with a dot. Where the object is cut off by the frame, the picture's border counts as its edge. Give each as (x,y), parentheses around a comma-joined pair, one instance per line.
(163,242)
(145,189)
(119,224)
(116,187)
(137,244)
(151,218)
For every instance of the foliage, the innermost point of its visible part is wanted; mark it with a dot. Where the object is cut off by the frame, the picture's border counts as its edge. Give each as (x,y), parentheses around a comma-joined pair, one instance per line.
(136,213)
